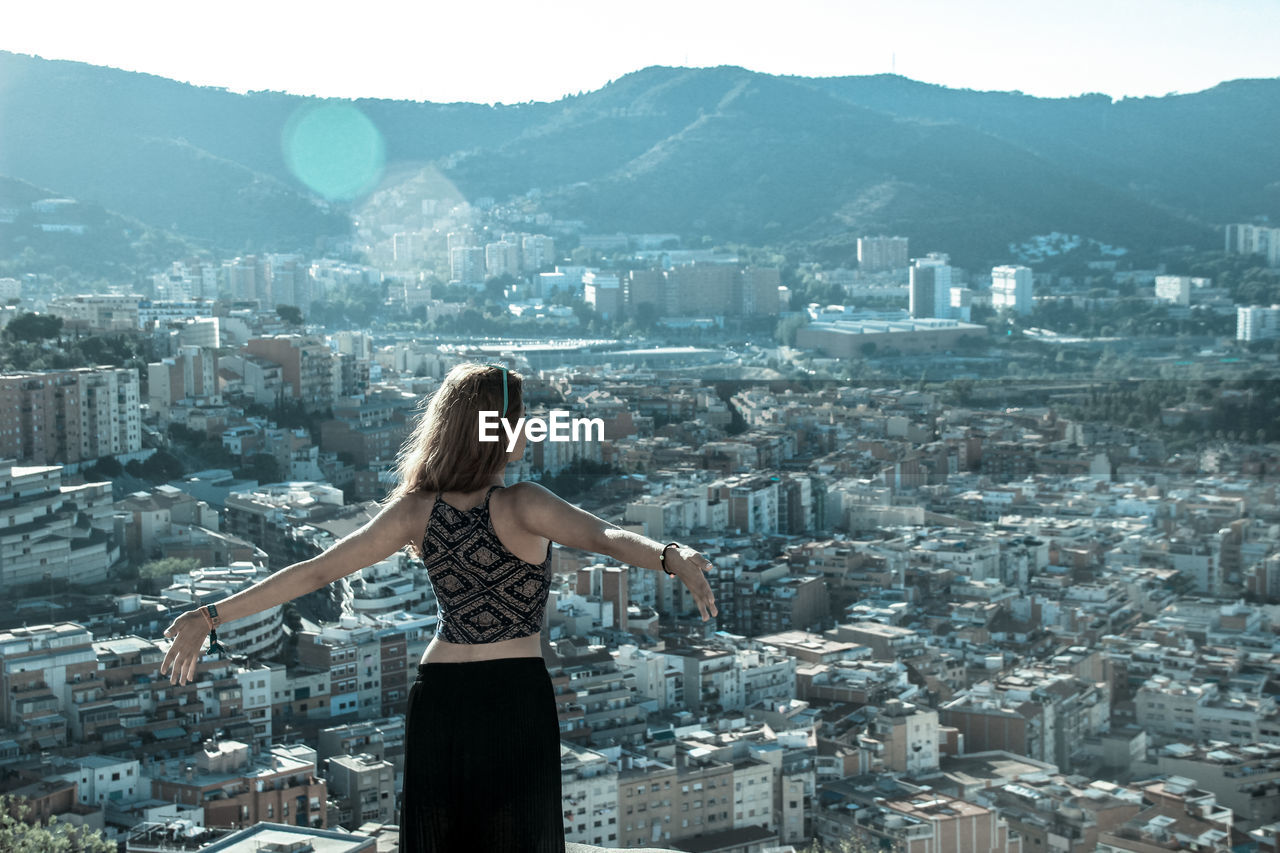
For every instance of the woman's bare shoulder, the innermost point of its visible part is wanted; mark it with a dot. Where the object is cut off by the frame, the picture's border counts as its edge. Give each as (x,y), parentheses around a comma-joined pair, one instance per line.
(527,489)
(410,507)
(526,496)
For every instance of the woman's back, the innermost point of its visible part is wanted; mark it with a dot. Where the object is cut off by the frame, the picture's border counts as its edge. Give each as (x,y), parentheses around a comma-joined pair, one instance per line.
(491,595)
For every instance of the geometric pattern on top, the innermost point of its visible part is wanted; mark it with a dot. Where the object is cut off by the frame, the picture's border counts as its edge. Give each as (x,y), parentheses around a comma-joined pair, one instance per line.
(485,593)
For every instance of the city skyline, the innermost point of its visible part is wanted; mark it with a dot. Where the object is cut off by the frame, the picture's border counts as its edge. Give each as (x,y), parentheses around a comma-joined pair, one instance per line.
(424,53)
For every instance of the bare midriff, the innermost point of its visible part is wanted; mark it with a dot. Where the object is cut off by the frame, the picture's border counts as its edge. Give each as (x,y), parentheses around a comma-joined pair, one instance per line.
(442,651)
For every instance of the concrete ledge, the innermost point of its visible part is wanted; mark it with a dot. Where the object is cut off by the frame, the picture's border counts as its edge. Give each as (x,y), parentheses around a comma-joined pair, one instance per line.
(572,847)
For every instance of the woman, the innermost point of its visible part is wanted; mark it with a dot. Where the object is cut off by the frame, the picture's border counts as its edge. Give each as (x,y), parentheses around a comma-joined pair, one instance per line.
(482,745)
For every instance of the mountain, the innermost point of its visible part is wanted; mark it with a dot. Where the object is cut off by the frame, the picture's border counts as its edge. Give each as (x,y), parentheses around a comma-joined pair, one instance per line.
(722,152)
(85,238)
(1212,153)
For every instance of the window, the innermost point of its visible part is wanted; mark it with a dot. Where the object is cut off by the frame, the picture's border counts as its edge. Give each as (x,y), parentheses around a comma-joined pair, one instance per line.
(115,777)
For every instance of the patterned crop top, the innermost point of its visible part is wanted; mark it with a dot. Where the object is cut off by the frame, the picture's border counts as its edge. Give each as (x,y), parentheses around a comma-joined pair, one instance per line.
(485,593)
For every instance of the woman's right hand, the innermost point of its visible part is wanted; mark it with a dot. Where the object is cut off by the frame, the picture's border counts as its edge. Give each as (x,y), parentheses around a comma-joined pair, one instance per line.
(691,567)
(187,633)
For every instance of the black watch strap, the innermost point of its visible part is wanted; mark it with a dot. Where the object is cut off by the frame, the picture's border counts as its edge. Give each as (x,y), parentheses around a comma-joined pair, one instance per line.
(664,557)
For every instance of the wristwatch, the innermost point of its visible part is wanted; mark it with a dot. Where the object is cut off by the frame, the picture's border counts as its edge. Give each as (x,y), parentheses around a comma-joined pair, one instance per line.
(210,612)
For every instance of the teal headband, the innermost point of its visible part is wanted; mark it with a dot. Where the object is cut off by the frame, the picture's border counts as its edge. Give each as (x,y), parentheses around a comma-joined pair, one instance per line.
(503,368)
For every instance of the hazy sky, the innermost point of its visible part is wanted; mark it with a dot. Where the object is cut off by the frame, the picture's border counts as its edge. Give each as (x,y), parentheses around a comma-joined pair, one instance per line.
(517,50)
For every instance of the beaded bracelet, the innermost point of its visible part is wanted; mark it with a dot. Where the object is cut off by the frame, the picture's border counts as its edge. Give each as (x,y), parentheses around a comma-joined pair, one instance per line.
(663,558)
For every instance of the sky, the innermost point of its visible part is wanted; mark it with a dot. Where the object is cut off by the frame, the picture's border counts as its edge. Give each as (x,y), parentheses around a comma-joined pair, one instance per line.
(509,51)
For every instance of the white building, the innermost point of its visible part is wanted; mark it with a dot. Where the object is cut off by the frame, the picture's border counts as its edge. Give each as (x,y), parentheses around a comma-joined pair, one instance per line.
(501,258)
(1257,323)
(1011,288)
(1244,239)
(603,292)
(466,264)
(876,254)
(1175,289)
(40,535)
(539,251)
(255,698)
(589,792)
(406,247)
(103,779)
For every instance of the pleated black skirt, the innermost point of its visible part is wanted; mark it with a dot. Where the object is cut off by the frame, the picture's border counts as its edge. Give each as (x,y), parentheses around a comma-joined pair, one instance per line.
(482,760)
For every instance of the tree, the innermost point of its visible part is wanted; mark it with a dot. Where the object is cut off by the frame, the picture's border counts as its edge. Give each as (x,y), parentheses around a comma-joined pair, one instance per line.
(161,467)
(851,845)
(262,467)
(166,567)
(19,836)
(33,328)
(785,333)
(291,314)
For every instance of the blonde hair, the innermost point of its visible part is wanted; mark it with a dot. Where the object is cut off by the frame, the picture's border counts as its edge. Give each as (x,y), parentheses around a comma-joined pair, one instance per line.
(444,452)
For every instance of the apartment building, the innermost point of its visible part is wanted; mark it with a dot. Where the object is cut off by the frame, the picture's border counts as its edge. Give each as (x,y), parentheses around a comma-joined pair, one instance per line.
(929,822)
(50,533)
(269,515)
(881,254)
(1031,711)
(660,801)
(190,377)
(69,416)
(238,788)
(1202,711)
(352,655)
(35,662)
(364,788)
(1244,778)
(307,367)
(381,737)
(589,791)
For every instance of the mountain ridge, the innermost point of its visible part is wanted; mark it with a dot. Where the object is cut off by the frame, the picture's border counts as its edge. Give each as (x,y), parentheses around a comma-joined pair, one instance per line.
(732,154)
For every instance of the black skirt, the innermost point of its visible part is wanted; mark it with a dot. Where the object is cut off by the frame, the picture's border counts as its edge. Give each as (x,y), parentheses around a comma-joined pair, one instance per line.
(482,759)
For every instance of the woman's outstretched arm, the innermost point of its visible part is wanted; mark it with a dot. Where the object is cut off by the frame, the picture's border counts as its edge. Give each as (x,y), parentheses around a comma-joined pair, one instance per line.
(544,513)
(390,530)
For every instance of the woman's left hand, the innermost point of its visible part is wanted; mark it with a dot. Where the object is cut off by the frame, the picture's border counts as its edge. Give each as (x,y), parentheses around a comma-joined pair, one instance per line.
(187,633)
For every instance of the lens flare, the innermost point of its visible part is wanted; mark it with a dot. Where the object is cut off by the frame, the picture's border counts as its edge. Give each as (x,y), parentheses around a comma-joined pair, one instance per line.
(334,149)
